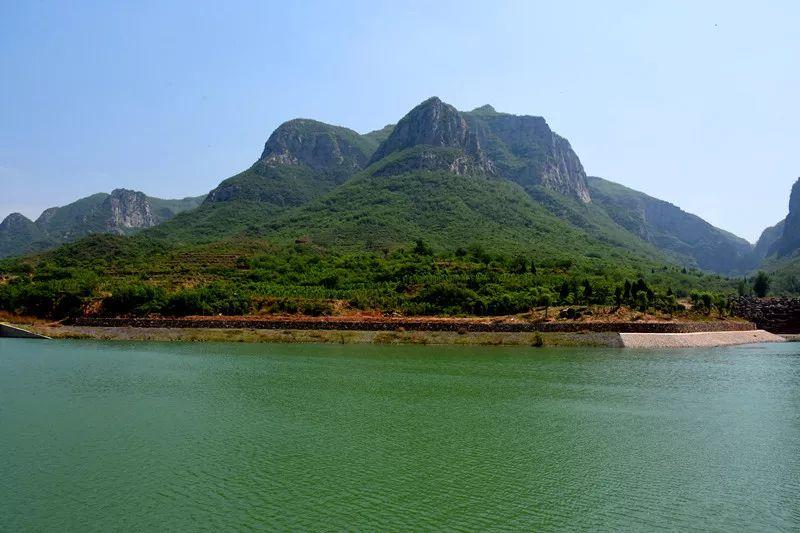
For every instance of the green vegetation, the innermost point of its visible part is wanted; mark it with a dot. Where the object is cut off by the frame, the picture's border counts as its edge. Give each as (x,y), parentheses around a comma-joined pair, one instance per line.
(138,276)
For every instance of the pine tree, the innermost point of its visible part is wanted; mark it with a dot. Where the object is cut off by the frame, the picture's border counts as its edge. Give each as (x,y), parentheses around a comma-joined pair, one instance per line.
(627,295)
(761,284)
(618,296)
(587,291)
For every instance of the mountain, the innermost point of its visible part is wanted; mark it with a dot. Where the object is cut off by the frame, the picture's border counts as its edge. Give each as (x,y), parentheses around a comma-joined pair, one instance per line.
(432,179)
(451,178)
(302,159)
(19,235)
(307,165)
(122,212)
(669,228)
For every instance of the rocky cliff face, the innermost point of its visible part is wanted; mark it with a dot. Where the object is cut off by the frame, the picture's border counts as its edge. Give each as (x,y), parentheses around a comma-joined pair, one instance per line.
(789,241)
(525,149)
(124,210)
(768,239)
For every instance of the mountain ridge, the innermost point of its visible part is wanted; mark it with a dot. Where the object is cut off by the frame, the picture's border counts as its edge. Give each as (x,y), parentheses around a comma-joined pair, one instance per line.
(121,212)
(482,164)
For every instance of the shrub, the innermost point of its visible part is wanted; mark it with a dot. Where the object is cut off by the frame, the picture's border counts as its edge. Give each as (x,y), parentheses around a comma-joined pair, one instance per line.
(135,299)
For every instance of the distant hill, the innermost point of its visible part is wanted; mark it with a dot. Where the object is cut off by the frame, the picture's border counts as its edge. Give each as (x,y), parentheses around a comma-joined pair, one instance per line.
(669,228)
(122,212)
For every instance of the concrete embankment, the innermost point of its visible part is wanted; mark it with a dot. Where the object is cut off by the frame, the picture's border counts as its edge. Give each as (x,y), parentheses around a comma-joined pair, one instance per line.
(413,331)
(7,330)
(697,340)
(456,325)
(481,338)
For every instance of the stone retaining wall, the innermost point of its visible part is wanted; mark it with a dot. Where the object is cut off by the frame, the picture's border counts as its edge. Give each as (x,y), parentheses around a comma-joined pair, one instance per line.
(414,325)
(778,315)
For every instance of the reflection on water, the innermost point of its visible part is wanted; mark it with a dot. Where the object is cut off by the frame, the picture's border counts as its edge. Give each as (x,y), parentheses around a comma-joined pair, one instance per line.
(176,437)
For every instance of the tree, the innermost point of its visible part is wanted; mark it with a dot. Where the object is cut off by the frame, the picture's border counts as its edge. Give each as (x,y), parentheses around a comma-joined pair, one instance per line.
(564,292)
(587,291)
(742,289)
(422,248)
(627,295)
(533,268)
(519,265)
(761,284)
(618,297)
(708,301)
(546,300)
(641,301)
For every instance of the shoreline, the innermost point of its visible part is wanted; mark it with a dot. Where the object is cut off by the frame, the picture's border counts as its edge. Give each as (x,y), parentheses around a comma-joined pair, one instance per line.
(587,338)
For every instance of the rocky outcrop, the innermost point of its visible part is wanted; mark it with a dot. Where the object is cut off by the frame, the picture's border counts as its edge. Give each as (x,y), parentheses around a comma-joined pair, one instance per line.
(436,124)
(431,123)
(126,210)
(525,150)
(302,160)
(314,144)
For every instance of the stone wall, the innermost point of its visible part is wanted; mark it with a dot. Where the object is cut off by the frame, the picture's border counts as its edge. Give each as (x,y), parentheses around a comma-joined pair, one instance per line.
(777,315)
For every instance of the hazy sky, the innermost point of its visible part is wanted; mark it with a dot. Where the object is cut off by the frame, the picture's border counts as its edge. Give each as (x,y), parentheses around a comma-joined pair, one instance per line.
(692,102)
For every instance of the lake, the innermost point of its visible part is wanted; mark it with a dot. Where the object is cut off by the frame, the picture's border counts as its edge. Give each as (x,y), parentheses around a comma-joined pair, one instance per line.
(182,437)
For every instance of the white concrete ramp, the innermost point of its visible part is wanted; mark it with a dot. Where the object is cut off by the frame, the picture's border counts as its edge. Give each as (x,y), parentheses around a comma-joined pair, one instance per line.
(697,340)
(7,330)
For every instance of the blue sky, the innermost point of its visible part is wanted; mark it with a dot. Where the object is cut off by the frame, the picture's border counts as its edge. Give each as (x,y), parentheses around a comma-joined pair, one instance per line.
(692,102)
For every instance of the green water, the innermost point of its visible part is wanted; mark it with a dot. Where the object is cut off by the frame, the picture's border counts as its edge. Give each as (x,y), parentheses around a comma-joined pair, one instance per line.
(184,437)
